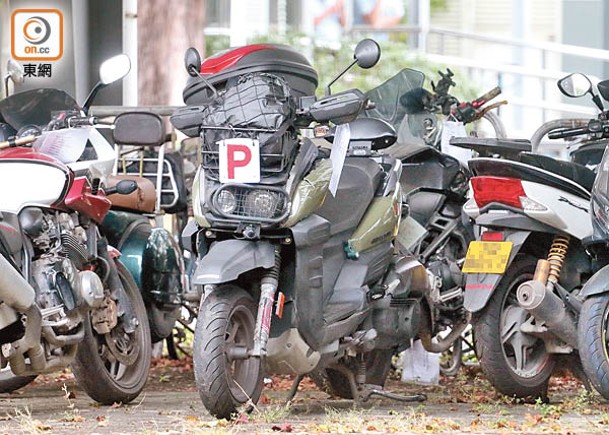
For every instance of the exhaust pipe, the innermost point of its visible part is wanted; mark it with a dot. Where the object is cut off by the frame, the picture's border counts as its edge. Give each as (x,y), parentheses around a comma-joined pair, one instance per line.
(15,291)
(543,304)
(443,344)
(18,295)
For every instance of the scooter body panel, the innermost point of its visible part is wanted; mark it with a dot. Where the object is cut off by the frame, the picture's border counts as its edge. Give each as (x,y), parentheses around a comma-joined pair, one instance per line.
(564,211)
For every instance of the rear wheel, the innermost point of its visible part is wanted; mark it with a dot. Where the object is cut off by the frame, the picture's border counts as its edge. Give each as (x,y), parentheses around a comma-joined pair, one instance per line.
(226,378)
(516,363)
(592,336)
(114,367)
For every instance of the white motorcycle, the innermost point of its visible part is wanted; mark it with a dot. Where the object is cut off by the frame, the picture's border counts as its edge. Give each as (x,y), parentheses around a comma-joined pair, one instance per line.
(527,267)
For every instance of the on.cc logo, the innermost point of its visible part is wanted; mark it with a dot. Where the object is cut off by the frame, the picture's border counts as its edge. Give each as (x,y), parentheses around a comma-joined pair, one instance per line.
(37,34)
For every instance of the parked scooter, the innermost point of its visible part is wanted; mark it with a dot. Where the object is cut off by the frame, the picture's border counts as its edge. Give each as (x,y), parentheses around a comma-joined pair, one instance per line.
(594,314)
(527,267)
(67,299)
(134,226)
(293,280)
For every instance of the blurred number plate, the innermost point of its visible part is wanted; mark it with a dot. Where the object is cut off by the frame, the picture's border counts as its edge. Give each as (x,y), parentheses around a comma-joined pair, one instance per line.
(487,257)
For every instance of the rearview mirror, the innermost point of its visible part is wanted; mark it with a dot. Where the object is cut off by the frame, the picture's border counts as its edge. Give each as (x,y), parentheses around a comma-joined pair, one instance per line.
(192,61)
(114,69)
(575,85)
(603,89)
(367,53)
(15,72)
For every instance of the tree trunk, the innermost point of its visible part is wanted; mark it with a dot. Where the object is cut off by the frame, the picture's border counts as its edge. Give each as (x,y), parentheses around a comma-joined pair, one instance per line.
(166,28)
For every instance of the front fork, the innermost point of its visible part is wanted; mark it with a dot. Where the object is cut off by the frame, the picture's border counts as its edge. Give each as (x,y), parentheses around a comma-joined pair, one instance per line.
(268,288)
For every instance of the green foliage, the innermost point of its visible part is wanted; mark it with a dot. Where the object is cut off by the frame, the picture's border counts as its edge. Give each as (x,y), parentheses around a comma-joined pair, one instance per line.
(395,55)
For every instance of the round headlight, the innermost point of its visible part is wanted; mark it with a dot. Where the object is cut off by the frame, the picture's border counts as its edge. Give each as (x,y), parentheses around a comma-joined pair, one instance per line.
(226,201)
(261,203)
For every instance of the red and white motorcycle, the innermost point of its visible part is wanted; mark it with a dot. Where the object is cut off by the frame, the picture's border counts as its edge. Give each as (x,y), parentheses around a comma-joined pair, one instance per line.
(66,297)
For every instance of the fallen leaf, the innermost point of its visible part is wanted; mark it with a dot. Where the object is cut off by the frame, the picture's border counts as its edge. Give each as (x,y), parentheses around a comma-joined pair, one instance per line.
(282,428)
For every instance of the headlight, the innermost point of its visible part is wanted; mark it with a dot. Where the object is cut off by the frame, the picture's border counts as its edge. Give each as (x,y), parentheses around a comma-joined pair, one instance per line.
(226,201)
(261,203)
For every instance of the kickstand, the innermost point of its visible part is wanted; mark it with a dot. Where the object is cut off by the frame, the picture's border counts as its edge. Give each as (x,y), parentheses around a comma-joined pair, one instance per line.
(362,392)
(367,392)
(294,388)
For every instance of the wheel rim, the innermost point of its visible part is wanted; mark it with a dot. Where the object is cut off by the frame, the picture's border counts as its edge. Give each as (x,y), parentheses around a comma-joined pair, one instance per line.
(525,354)
(242,373)
(604,327)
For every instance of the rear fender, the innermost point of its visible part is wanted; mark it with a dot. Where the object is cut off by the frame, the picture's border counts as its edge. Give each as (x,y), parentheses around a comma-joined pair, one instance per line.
(598,284)
(228,259)
(478,286)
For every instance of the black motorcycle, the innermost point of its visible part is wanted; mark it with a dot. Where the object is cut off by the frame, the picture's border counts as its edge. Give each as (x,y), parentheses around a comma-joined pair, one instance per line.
(435,187)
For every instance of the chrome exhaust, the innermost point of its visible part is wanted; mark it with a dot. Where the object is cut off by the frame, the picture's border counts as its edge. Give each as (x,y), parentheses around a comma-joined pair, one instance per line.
(543,304)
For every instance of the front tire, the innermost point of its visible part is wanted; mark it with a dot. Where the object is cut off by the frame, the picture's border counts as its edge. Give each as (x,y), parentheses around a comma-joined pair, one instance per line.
(592,341)
(515,363)
(226,322)
(104,377)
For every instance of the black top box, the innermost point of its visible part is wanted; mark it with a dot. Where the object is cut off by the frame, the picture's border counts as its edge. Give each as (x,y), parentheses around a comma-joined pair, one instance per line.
(277,59)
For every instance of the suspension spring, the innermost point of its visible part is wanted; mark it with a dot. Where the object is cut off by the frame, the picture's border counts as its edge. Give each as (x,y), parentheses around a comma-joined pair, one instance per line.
(556,257)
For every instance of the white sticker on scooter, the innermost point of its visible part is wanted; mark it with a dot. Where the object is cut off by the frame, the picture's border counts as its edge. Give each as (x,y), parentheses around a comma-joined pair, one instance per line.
(239,160)
(340,144)
(452,129)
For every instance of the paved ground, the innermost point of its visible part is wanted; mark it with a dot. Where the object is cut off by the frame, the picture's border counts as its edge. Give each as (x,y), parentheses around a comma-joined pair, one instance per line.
(170,404)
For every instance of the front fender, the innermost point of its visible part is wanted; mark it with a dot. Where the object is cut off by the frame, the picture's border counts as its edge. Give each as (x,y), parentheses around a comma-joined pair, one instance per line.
(597,284)
(228,259)
(480,286)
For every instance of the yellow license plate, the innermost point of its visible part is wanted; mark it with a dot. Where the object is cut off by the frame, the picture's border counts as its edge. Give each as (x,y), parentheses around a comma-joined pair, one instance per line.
(487,257)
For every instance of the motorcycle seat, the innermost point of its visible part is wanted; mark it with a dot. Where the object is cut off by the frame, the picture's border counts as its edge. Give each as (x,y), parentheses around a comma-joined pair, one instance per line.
(571,170)
(142,199)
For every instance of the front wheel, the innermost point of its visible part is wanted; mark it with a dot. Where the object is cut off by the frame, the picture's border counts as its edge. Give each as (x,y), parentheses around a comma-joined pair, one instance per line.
(226,378)
(516,363)
(592,341)
(114,367)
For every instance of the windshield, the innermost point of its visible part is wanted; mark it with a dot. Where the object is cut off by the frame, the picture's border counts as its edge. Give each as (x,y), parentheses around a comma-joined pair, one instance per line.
(397,97)
(35,107)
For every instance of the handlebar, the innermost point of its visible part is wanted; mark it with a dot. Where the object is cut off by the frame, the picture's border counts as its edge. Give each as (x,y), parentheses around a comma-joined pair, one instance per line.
(568,132)
(594,126)
(79,121)
(17,142)
(486,97)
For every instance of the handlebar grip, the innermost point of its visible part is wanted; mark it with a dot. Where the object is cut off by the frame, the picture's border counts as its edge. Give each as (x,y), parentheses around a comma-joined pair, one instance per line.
(17,142)
(489,95)
(568,132)
(79,121)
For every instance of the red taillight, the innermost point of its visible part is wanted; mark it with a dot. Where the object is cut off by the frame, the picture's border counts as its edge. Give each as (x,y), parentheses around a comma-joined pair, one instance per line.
(492,236)
(497,189)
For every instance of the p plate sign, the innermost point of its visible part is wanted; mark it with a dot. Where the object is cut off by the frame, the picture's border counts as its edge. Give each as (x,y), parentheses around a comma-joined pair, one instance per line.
(239,160)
